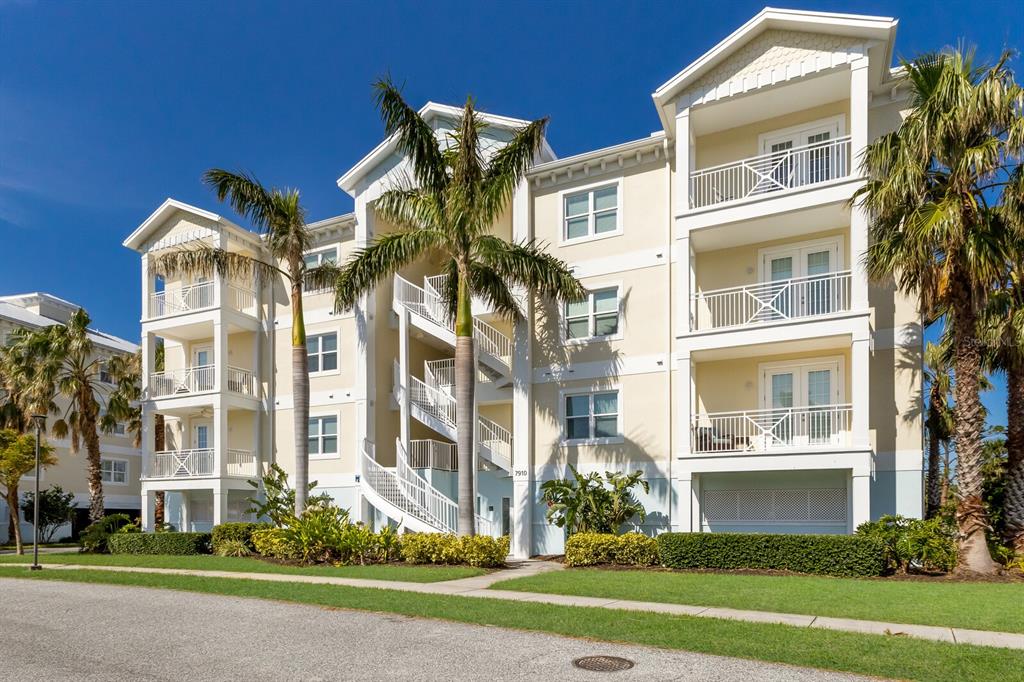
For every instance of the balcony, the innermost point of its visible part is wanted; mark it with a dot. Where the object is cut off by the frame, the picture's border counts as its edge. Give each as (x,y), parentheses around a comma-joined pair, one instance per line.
(766,302)
(793,168)
(199,297)
(199,463)
(769,430)
(200,379)
(433,454)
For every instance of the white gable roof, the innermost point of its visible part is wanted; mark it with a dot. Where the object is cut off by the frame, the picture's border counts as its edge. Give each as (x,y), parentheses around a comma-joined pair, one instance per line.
(430,111)
(138,239)
(859,29)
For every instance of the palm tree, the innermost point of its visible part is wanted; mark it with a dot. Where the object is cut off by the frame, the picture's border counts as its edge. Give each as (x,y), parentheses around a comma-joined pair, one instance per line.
(447,208)
(928,186)
(937,376)
(62,360)
(279,216)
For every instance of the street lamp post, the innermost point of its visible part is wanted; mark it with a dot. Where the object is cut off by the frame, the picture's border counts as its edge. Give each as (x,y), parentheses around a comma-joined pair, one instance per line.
(39,420)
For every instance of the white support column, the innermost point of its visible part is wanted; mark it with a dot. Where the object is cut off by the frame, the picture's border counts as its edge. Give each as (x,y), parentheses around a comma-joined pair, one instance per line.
(147,440)
(685,301)
(147,287)
(220,355)
(860,497)
(860,390)
(522,400)
(860,101)
(220,505)
(364,388)
(186,511)
(681,502)
(220,436)
(148,509)
(696,515)
(684,160)
(684,400)
(257,369)
(402,390)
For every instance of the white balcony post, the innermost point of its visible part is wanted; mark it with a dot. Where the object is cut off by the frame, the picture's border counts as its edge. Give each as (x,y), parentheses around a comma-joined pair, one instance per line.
(685,154)
(403,378)
(522,390)
(220,436)
(685,402)
(685,264)
(186,510)
(148,509)
(220,505)
(860,101)
(860,390)
(220,355)
(147,288)
(860,498)
(147,440)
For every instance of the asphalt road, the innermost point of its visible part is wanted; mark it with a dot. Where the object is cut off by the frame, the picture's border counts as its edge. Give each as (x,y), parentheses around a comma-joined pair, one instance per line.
(67,631)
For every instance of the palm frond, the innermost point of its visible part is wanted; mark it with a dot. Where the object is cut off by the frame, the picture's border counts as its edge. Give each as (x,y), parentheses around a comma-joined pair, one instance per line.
(204,260)
(244,193)
(384,257)
(508,166)
(416,139)
(486,283)
(527,264)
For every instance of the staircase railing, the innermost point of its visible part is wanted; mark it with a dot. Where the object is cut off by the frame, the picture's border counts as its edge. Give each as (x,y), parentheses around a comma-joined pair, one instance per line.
(428,453)
(440,511)
(494,437)
(434,402)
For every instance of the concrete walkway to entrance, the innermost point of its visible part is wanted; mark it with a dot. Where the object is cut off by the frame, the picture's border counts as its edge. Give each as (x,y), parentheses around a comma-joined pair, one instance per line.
(478,587)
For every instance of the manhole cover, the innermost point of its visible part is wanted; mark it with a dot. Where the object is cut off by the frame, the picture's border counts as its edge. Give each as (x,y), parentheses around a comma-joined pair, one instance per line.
(603,664)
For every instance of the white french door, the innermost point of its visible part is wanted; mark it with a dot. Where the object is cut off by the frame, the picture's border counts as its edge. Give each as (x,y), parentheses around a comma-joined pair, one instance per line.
(812,162)
(201,375)
(814,293)
(798,400)
(202,435)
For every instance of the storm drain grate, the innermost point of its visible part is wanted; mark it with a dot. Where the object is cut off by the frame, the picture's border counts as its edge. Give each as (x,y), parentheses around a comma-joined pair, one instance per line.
(603,664)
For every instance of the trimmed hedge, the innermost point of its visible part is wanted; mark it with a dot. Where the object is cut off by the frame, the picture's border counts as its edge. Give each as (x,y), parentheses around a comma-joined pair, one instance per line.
(443,548)
(159,543)
(839,555)
(240,531)
(590,549)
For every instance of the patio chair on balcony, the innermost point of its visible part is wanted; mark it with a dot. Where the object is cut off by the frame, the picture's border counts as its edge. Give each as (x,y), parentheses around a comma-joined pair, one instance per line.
(710,440)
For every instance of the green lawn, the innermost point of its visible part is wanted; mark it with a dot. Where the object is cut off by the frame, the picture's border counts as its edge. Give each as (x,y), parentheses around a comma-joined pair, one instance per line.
(980,606)
(898,657)
(409,573)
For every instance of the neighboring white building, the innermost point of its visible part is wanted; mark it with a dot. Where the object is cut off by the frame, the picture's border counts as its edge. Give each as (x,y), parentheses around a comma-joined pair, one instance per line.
(732,347)
(120,459)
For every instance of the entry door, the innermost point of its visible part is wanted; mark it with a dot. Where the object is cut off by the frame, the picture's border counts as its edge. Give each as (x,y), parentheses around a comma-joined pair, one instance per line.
(202,435)
(798,402)
(202,368)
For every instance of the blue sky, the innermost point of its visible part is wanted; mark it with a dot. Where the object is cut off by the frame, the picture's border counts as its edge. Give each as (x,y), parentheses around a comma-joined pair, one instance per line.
(108,108)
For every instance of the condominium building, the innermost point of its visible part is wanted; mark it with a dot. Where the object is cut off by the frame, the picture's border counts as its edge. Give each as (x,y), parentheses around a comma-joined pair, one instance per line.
(120,461)
(731,347)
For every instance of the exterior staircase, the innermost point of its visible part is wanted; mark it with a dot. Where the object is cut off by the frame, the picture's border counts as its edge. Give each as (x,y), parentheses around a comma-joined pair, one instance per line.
(408,498)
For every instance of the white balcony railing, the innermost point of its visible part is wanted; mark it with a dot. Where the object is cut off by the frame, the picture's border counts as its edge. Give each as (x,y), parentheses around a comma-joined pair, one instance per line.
(434,402)
(200,296)
(240,463)
(797,167)
(494,440)
(771,429)
(433,454)
(181,463)
(427,303)
(182,381)
(199,379)
(785,299)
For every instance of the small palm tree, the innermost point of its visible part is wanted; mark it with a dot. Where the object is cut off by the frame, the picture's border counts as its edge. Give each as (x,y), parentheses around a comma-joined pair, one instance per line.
(938,421)
(448,208)
(279,216)
(928,186)
(62,360)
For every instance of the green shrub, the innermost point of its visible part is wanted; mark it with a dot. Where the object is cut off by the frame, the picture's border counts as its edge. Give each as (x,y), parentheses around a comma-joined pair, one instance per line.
(592,504)
(235,548)
(271,542)
(323,534)
(841,555)
(237,532)
(591,549)
(160,543)
(914,544)
(95,536)
(443,548)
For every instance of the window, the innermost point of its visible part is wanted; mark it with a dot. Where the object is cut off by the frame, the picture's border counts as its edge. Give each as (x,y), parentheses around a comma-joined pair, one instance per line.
(323,436)
(119,429)
(105,376)
(322,352)
(591,416)
(317,258)
(113,471)
(595,317)
(591,213)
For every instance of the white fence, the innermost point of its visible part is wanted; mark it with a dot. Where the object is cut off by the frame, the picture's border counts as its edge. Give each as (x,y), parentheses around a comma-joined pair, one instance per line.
(765,430)
(181,463)
(796,167)
(771,301)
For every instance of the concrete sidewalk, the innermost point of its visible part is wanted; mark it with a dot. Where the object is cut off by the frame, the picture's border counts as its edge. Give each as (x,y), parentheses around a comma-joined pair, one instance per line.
(477,587)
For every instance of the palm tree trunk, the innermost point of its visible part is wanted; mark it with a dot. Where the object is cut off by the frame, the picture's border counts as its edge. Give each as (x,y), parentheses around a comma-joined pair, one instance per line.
(465,397)
(934,486)
(1014,504)
(158,445)
(971,515)
(13,524)
(87,410)
(300,396)
(946,476)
